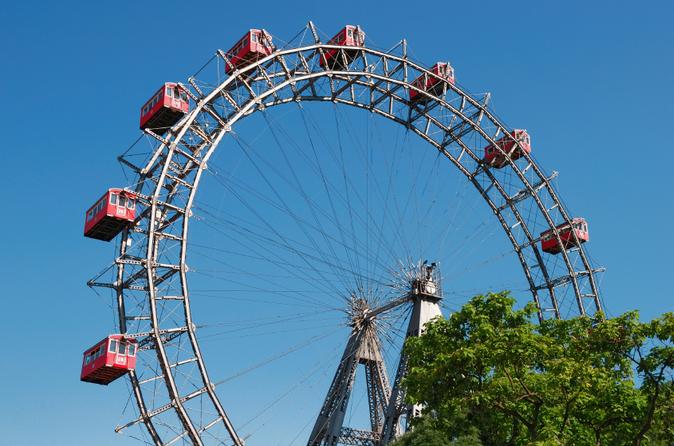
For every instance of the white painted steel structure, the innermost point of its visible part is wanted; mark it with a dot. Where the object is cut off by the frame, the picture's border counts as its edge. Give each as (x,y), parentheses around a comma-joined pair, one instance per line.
(376,81)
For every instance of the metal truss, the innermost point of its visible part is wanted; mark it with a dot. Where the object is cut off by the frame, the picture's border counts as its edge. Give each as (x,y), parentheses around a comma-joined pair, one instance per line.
(149,276)
(363,348)
(386,407)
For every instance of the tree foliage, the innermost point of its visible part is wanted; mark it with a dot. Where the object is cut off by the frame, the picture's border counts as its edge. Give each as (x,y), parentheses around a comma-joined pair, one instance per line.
(428,432)
(490,373)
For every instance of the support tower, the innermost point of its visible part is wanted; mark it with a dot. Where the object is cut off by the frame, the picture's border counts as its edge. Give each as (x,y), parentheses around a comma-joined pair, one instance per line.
(425,295)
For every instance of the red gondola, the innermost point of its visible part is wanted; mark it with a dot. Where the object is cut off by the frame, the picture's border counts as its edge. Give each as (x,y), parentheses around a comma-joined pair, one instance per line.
(111,358)
(494,158)
(349,36)
(549,241)
(253,46)
(432,84)
(115,210)
(165,108)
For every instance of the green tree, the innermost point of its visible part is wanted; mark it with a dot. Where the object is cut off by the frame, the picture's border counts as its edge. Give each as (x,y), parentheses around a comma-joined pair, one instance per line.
(489,371)
(427,432)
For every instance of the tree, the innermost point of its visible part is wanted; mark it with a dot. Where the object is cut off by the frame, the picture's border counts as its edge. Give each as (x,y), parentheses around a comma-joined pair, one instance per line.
(490,371)
(427,432)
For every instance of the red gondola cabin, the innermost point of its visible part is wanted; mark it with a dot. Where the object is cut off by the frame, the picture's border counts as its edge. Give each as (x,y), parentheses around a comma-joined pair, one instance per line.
(494,158)
(111,358)
(549,241)
(349,36)
(165,108)
(115,210)
(431,84)
(253,46)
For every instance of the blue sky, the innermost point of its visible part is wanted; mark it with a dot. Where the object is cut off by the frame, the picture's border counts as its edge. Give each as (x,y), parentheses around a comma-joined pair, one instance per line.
(592,81)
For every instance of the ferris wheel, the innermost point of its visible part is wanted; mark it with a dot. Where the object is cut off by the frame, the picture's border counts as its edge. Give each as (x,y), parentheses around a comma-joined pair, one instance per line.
(354,205)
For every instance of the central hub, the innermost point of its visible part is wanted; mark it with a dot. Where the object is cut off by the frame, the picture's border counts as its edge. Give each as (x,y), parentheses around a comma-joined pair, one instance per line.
(425,281)
(358,311)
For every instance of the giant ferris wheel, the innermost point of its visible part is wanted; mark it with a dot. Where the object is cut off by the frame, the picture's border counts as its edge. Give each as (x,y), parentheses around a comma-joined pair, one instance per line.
(355,195)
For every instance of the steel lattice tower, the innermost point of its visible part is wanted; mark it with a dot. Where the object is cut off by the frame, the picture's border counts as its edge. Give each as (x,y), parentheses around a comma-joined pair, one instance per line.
(364,348)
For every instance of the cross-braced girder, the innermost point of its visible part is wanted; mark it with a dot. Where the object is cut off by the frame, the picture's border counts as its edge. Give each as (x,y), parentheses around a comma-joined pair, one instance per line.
(363,348)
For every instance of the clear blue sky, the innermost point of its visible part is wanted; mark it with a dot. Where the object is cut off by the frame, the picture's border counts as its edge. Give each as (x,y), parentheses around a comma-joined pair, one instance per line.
(593,81)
